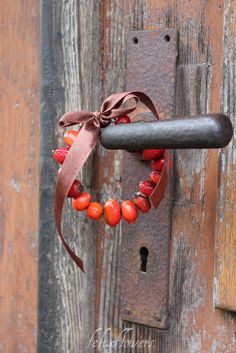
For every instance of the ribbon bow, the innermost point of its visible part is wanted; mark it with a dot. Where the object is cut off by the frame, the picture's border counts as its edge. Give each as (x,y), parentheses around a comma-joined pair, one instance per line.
(85,142)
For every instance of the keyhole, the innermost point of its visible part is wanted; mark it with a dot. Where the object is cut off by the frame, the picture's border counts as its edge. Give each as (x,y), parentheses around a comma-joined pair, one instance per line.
(143,254)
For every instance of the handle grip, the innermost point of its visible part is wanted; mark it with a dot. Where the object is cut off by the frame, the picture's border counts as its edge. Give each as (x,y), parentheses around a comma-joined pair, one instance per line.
(205,131)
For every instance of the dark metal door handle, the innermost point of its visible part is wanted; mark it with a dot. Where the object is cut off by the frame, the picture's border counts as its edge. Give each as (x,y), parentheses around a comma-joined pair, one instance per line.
(205,131)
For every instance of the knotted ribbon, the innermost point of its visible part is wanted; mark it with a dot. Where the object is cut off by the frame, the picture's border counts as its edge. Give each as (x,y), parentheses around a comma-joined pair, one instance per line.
(85,142)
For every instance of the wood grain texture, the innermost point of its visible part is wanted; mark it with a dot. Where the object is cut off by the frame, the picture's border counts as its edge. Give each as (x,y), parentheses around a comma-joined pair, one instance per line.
(83,61)
(225,285)
(195,325)
(19,161)
(70,81)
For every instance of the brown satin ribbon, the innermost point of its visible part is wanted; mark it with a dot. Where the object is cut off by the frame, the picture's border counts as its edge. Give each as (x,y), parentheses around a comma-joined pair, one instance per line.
(87,139)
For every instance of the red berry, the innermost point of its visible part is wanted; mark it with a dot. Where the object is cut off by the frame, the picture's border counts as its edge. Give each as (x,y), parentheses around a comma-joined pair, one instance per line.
(75,189)
(148,155)
(146,187)
(129,211)
(123,120)
(158,165)
(142,203)
(70,136)
(60,154)
(94,211)
(82,201)
(155,176)
(112,212)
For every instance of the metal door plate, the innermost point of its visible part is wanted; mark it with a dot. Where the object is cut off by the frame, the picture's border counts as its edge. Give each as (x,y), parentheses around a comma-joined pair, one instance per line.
(151,68)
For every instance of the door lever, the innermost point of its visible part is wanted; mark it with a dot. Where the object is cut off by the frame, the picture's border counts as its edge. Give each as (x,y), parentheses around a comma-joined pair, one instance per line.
(203,131)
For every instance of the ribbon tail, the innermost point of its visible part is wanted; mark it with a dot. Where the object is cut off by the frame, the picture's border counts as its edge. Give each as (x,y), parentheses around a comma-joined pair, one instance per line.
(75,159)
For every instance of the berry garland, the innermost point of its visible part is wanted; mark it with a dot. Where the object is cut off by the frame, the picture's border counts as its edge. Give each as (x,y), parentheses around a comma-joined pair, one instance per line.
(112,210)
(79,145)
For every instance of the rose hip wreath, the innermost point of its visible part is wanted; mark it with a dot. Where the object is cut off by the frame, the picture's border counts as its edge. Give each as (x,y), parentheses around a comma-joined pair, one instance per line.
(112,210)
(79,145)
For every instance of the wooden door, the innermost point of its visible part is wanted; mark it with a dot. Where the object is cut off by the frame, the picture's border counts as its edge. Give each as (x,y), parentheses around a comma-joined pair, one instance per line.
(83,60)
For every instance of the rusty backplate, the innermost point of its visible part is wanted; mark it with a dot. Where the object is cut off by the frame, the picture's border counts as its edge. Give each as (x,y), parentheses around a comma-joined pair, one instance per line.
(151,68)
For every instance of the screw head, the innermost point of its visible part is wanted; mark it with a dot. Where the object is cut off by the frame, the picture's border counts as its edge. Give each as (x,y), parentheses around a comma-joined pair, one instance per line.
(158,317)
(127,310)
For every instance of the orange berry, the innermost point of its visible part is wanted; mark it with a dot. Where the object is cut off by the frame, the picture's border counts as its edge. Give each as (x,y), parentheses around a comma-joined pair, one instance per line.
(148,155)
(155,176)
(94,211)
(75,189)
(82,201)
(146,187)
(112,212)
(123,120)
(60,154)
(142,203)
(70,136)
(158,165)
(129,211)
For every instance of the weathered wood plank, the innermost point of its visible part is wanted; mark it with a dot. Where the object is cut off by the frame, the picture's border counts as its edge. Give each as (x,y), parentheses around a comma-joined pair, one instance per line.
(71,70)
(70,81)
(225,285)
(19,161)
(195,325)
(116,21)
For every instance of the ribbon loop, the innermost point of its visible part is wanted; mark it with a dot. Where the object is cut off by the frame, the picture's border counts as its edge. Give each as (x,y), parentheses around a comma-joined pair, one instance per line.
(86,140)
